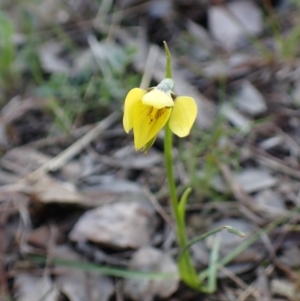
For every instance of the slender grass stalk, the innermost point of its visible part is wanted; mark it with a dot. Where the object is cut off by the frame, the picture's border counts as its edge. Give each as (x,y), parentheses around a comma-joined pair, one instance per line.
(102,269)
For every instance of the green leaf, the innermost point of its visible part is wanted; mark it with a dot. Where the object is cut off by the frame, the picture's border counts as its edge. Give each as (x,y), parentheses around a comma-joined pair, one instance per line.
(182,204)
(187,270)
(188,273)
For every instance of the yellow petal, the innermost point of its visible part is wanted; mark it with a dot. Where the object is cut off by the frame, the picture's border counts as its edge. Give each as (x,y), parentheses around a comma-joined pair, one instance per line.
(132,98)
(158,99)
(183,115)
(148,121)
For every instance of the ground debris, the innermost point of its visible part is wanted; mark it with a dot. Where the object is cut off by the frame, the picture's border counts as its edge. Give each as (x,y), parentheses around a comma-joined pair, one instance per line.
(251,180)
(270,202)
(35,288)
(51,62)
(154,260)
(250,100)
(72,186)
(79,285)
(291,257)
(49,190)
(118,225)
(238,19)
(285,288)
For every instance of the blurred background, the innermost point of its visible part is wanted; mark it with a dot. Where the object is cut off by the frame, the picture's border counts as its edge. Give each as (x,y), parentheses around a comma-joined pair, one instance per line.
(82,213)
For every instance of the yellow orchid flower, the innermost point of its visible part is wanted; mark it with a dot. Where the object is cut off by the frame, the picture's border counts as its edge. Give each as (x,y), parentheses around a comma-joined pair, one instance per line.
(147,111)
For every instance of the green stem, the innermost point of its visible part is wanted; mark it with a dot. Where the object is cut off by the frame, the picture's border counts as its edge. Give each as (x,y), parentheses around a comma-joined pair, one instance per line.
(187,271)
(173,194)
(168,63)
(169,167)
(168,142)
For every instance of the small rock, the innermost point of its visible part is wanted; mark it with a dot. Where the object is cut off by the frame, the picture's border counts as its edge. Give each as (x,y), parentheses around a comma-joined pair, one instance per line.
(286,288)
(49,190)
(250,100)
(229,27)
(154,260)
(34,288)
(291,257)
(250,180)
(119,225)
(79,285)
(253,180)
(236,118)
(160,8)
(268,198)
(272,142)
(50,58)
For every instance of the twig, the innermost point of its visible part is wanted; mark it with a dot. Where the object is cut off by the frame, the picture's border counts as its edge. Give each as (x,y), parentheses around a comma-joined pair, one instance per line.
(150,66)
(274,163)
(245,200)
(160,210)
(250,290)
(73,150)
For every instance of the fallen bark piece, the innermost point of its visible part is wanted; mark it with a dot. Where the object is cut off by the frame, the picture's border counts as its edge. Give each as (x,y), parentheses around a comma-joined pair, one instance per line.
(49,190)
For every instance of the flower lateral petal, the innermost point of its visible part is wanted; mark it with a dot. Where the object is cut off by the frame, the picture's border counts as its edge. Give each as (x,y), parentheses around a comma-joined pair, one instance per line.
(148,121)
(133,96)
(183,115)
(158,99)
